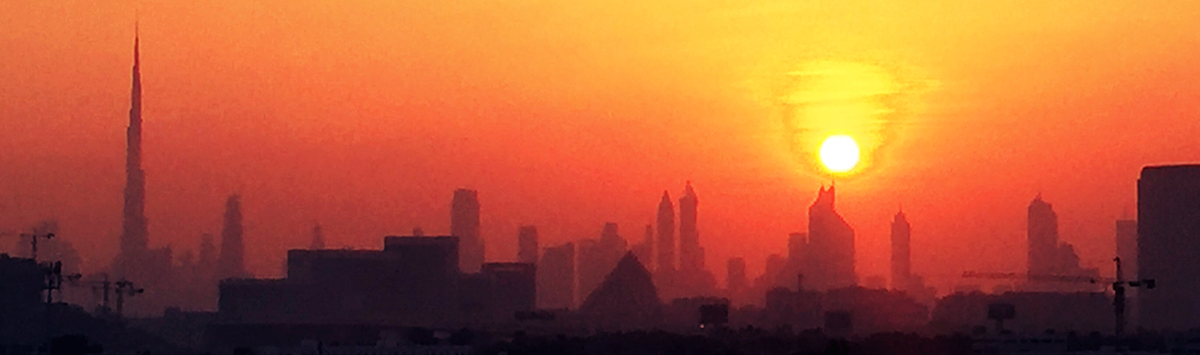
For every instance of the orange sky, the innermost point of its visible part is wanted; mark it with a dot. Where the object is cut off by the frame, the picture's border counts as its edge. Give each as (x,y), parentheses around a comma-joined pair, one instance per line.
(364,115)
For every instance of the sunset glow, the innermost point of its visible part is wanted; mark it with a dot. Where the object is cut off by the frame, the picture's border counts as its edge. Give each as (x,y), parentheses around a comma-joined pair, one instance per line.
(839,153)
(364,116)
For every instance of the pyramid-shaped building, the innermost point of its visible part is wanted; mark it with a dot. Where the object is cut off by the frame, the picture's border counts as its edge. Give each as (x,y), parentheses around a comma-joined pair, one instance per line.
(626,299)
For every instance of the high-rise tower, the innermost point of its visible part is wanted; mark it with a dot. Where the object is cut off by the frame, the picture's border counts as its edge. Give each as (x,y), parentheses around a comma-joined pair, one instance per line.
(1048,255)
(135,236)
(464,224)
(527,244)
(232,261)
(666,235)
(901,253)
(1168,230)
(831,245)
(691,255)
(1042,238)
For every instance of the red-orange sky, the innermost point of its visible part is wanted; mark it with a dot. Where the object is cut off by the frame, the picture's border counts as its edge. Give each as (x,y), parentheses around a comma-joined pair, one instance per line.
(364,115)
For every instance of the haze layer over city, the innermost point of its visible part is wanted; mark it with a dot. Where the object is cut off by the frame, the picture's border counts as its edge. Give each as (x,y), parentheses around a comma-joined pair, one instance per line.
(364,117)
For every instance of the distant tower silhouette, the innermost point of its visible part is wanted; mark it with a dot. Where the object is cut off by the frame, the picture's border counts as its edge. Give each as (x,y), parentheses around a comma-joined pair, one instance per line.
(1047,254)
(1168,229)
(556,277)
(645,250)
(318,238)
(1042,237)
(231,262)
(691,255)
(666,235)
(207,257)
(735,277)
(464,224)
(901,253)
(135,236)
(831,244)
(527,240)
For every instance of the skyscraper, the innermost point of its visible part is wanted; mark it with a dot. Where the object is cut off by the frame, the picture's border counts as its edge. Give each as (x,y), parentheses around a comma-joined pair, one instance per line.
(135,236)
(691,255)
(556,277)
(527,242)
(901,253)
(797,253)
(735,277)
(464,224)
(597,258)
(1048,256)
(831,245)
(666,235)
(232,261)
(1042,238)
(644,251)
(1168,245)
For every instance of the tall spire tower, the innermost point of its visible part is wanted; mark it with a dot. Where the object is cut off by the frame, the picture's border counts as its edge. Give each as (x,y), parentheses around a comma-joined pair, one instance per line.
(666,235)
(135,235)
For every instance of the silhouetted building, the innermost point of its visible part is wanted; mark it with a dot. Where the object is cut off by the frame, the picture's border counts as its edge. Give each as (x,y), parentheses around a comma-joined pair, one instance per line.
(868,310)
(464,224)
(20,300)
(901,253)
(412,280)
(691,254)
(1035,312)
(626,299)
(232,261)
(556,277)
(645,250)
(1047,255)
(513,288)
(135,236)
(666,236)
(691,279)
(1168,244)
(735,279)
(527,243)
(831,245)
(776,275)
(797,258)
(687,313)
(135,260)
(318,238)
(597,258)
(206,258)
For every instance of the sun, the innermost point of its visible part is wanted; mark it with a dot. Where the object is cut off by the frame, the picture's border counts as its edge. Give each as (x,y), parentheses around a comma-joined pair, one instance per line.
(839,153)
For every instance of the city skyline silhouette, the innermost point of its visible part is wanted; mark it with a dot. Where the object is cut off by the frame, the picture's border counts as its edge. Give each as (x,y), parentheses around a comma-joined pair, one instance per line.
(247,174)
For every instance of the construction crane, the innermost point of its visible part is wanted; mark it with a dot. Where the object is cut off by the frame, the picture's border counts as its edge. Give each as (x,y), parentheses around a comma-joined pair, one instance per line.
(125,287)
(121,288)
(54,279)
(1119,286)
(33,240)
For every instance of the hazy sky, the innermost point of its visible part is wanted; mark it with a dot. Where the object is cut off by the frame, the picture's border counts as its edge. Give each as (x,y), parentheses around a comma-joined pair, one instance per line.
(365,115)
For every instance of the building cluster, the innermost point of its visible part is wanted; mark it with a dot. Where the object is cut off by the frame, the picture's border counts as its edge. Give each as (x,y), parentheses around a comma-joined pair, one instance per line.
(662,281)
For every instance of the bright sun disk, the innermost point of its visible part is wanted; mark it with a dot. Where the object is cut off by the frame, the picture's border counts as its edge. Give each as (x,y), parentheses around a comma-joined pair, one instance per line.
(839,153)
